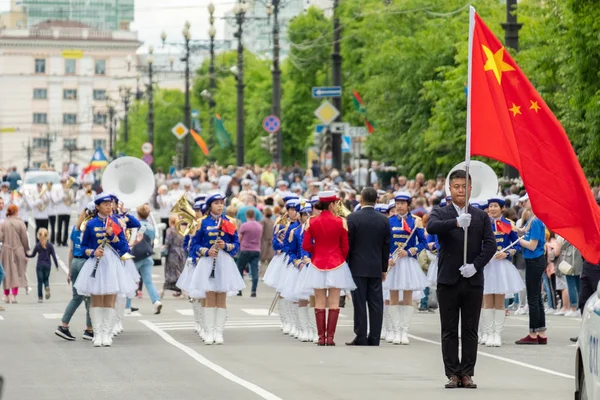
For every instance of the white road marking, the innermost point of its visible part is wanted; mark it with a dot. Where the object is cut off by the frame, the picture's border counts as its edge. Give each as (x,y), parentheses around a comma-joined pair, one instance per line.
(52,316)
(133,314)
(186,312)
(261,312)
(211,365)
(499,358)
(230,324)
(1,318)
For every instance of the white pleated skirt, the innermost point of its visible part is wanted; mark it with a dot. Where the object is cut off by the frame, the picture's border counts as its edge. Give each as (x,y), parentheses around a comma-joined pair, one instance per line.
(406,275)
(111,277)
(227,276)
(501,277)
(300,292)
(132,270)
(432,272)
(339,278)
(288,286)
(185,279)
(275,269)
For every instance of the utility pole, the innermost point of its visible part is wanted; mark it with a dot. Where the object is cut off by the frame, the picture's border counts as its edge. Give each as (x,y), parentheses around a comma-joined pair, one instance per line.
(187,110)
(28,154)
(48,148)
(111,132)
(336,142)
(276,106)
(511,38)
(240,10)
(151,103)
(212,84)
(125,92)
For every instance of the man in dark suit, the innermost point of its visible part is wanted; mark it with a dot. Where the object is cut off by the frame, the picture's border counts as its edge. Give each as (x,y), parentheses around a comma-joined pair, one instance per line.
(460,284)
(369,237)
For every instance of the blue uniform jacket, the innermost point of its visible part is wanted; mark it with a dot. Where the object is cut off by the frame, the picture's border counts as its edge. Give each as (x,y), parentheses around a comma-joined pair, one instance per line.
(277,240)
(288,239)
(399,236)
(208,234)
(95,232)
(433,239)
(297,253)
(503,240)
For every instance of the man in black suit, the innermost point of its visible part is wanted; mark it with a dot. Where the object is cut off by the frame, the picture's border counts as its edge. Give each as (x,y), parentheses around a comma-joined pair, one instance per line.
(369,237)
(460,284)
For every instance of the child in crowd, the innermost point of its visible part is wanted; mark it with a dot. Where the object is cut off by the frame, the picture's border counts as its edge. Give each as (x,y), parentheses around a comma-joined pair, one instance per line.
(44,250)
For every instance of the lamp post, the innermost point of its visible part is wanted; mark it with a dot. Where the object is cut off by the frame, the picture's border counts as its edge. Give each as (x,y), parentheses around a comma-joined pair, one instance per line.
(336,139)
(125,93)
(111,114)
(240,9)
(150,62)
(186,110)
(212,85)
(273,9)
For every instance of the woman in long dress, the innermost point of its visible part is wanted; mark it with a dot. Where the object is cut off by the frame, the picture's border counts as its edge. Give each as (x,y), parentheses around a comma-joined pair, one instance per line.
(216,274)
(500,275)
(13,236)
(326,239)
(175,259)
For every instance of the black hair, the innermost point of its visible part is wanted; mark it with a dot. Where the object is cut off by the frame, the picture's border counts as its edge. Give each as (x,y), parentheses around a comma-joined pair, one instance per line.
(269,201)
(368,196)
(459,174)
(322,205)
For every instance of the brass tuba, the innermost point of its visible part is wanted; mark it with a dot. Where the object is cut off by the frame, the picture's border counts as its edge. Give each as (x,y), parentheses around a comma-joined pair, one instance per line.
(42,206)
(186,215)
(68,199)
(341,210)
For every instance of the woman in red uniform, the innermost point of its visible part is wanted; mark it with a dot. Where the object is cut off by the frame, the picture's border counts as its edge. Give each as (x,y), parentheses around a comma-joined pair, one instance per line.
(326,238)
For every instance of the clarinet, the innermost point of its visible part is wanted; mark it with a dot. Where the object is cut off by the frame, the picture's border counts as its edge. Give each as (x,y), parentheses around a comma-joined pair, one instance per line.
(220,235)
(93,275)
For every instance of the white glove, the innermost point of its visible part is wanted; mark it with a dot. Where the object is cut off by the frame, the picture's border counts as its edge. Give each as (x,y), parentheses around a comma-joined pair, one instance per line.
(468,270)
(464,220)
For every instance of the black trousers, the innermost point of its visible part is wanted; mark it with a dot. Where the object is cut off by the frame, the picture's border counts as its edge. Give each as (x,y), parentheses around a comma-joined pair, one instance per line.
(166,222)
(459,300)
(590,276)
(39,224)
(534,269)
(62,230)
(369,294)
(52,225)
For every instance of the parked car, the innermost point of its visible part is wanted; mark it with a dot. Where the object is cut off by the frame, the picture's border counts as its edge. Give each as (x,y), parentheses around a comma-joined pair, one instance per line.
(587,362)
(160,228)
(32,178)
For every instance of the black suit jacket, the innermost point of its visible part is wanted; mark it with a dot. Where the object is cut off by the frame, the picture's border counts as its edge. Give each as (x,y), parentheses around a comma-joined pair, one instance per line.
(369,236)
(481,243)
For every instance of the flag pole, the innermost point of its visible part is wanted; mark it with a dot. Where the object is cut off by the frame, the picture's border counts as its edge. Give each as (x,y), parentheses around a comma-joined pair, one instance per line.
(468,135)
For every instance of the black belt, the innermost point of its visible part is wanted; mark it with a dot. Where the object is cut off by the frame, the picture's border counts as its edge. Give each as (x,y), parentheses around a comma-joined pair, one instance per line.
(79,257)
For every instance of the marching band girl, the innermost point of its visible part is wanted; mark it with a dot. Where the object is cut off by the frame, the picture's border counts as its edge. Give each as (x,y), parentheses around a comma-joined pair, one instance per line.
(387,327)
(501,277)
(216,273)
(102,276)
(326,239)
(405,273)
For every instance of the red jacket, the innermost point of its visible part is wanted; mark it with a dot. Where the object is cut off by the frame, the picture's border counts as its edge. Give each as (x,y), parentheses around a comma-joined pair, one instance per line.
(326,239)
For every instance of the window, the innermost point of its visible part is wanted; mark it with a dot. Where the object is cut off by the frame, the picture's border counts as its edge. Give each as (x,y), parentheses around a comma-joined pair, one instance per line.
(70,66)
(99,119)
(39,143)
(69,144)
(99,94)
(70,94)
(40,94)
(100,68)
(69,119)
(99,143)
(40,65)
(40,118)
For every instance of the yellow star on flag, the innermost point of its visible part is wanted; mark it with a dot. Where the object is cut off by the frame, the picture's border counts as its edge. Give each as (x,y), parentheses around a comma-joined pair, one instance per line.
(515,110)
(496,63)
(534,106)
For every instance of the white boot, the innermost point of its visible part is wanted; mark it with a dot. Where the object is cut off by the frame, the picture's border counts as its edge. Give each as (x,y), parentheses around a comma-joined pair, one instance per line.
(121,314)
(489,327)
(281,312)
(499,317)
(201,320)
(298,322)
(486,323)
(384,325)
(312,319)
(304,324)
(96,314)
(210,315)
(293,319)
(285,308)
(406,319)
(196,317)
(395,312)
(220,325)
(107,323)
(389,333)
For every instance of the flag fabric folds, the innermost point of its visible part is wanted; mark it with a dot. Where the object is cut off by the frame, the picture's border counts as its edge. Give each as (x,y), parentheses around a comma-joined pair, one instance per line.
(504,227)
(221,133)
(227,227)
(405,226)
(110,223)
(199,141)
(360,107)
(98,161)
(511,123)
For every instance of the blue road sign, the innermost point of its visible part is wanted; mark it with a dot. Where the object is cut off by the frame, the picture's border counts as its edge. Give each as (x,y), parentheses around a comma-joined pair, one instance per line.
(320,128)
(346,144)
(326,91)
(271,124)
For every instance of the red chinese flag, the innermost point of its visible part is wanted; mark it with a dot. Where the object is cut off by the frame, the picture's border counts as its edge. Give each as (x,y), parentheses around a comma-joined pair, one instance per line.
(227,227)
(115,226)
(504,227)
(405,226)
(511,123)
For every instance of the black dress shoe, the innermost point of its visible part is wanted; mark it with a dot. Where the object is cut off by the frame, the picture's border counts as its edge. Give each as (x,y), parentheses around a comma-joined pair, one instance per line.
(356,342)
(453,382)
(573,339)
(467,383)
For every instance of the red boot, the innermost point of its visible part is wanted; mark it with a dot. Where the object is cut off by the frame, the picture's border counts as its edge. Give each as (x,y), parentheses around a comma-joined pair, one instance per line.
(320,317)
(332,319)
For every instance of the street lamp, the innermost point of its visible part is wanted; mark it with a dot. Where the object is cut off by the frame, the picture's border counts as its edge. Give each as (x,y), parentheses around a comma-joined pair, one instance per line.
(150,61)
(125,93)
(240,9)
(110,104)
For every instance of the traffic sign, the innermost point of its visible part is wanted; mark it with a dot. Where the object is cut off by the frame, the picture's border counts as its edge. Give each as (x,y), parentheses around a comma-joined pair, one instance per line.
(357,131)
(327,113)
(320,128)
(271,124)
(147,148)
(346,144)
(180,130)
(326,91)
(195,113)
(340,127)
(148,159)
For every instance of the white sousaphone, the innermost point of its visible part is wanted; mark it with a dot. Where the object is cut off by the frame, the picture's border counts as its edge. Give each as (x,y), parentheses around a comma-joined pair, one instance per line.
(483,180)
(130,179)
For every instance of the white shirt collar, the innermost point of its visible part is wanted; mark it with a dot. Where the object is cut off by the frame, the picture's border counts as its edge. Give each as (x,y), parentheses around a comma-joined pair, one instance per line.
(460,211)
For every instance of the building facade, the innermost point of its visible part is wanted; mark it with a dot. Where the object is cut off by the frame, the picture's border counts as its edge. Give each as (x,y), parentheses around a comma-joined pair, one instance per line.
(56,79)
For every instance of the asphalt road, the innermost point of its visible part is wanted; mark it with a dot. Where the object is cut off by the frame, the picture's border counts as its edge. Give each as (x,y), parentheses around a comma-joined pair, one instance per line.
(160,357)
